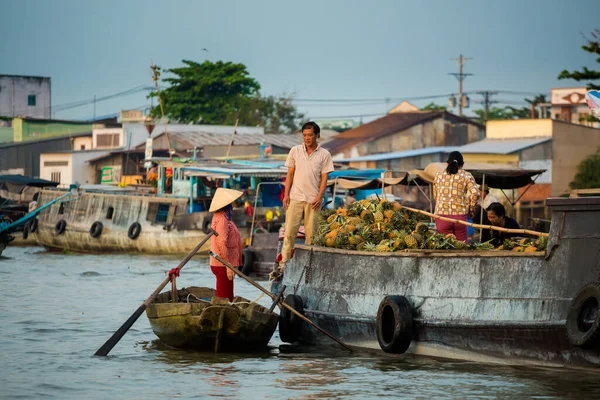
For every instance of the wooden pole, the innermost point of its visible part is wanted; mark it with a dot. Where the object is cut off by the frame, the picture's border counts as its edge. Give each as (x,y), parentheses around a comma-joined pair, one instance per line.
(282,303)
(478,226)
(231,141)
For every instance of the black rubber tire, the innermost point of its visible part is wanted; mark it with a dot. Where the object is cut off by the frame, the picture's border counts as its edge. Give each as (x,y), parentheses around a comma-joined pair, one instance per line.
(290,325)
(134,230)
(581,331)
(394,324)
(96,229)
(60,227)
(33,225)
(206,225)
(25,231)
(247,261)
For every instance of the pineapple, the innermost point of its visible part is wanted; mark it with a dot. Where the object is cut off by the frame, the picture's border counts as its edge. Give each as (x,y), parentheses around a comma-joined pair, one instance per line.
(418,237)
(331,218)
(378,215)
(332,234)
(369,246)
(335,226)
(355,209)
(341,211)
(410,241)
(541,243)
(382,248)
(330,242)
(354,220)
(530,249)
(350,228)
(388,214)
(360,246)
(422,228)
(508,244)
(396,206)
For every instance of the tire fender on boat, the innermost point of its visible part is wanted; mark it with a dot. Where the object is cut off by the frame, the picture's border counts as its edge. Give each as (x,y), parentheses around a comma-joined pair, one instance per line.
(583,318)
(247,261)
(96,229)
(290,324)
(394,324)
(206,225)
(33,225)
(134,230)
(60,227)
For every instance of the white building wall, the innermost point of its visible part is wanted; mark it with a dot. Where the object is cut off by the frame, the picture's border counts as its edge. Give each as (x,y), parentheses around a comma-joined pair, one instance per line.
(14,96)
(57,167)
(86,142)
(83,172)
(546,177)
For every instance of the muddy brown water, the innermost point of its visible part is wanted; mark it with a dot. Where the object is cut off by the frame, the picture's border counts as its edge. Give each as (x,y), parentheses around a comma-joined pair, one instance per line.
(57,309)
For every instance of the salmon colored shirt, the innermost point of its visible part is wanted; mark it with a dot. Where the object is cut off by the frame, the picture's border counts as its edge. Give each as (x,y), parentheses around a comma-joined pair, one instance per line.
(228,245)
(451,190)
(308,171)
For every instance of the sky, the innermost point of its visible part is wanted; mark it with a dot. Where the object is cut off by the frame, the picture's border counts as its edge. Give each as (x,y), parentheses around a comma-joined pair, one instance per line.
(379,52)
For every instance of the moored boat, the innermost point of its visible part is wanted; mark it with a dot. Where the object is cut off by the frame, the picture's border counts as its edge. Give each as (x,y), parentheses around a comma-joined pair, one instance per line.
(201,321)
(492,306)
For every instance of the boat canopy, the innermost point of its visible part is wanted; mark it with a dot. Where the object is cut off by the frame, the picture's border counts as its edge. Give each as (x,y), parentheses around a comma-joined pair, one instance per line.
(16,183)
(498,176)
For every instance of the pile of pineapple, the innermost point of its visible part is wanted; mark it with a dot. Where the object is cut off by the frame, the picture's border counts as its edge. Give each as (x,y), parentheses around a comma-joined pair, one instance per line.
(382,226)
(525,245)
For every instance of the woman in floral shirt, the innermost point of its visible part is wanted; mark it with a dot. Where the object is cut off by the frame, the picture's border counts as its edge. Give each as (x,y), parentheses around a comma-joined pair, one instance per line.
(456,195)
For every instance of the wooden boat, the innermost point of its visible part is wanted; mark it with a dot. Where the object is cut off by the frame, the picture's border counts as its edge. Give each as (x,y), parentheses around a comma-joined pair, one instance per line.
(493,306)
(201,321)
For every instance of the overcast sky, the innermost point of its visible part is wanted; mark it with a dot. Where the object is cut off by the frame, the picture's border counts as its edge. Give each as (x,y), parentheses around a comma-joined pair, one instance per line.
(372,50)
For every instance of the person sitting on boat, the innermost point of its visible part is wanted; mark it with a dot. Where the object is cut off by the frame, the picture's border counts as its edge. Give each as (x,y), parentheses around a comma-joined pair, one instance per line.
(450,190)
(496,214)
(308,166)
(228,244)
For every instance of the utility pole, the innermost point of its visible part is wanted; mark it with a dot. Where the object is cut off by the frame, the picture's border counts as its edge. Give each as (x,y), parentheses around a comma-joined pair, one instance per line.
(460,76)
(94,109)
(486,102)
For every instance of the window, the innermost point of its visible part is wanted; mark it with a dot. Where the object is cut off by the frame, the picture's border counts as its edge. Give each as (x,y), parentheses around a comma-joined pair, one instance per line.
(82,147)
(31,100)
(110,212)
(55,177)
(56,164)
(162,213)
(107,140)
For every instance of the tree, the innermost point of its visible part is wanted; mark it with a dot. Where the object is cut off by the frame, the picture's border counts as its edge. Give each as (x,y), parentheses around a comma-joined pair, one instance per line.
(509,112)
(434,107)
(587,176)
(210,93)
(593,47)
(220,93)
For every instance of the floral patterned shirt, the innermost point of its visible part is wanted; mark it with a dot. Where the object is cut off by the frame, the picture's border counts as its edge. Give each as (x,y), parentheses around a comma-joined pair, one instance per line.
(451,191)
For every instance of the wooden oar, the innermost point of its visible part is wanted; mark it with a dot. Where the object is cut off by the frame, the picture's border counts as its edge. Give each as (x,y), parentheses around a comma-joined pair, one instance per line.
(281,303)
(478,226)
(114,339)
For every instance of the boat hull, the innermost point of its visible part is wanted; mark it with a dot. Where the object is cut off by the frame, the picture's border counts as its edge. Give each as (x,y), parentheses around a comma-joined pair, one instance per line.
(213,325)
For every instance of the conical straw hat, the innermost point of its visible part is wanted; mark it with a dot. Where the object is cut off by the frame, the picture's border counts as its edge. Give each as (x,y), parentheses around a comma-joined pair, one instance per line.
(224,197)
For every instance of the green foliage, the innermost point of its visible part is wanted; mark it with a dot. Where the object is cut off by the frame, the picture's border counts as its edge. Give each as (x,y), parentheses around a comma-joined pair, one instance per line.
(219,93)
(508,112)
(587,176)
(586,74)
(434,107)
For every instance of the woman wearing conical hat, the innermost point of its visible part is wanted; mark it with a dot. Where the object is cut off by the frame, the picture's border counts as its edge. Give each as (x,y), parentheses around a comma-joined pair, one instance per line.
(228,244)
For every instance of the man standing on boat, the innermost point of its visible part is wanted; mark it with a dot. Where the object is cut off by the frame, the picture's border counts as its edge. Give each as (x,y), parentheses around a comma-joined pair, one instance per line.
(308,166)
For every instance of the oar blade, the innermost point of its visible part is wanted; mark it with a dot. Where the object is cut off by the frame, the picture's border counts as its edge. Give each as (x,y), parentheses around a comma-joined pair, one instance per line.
(114,339)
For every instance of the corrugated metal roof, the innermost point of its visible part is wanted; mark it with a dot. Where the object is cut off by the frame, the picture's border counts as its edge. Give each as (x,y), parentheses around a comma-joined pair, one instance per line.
(400,154)
(501,146)
(235,172)
(203,139)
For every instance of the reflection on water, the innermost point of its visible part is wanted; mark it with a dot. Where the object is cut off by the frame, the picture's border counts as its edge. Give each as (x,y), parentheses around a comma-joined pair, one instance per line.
(56,310)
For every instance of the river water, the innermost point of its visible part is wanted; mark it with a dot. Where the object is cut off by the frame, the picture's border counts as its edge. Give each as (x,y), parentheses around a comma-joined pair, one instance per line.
(57,309)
